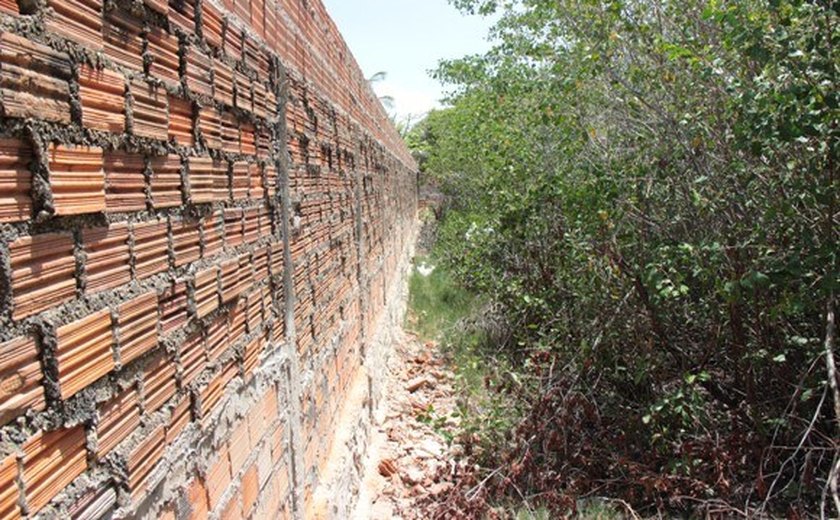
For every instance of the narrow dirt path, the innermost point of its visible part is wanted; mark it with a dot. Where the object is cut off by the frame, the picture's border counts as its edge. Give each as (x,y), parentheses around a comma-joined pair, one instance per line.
(410,458)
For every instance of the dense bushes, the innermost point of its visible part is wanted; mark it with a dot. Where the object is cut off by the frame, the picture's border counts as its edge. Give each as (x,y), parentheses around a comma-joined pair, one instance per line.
(649,190)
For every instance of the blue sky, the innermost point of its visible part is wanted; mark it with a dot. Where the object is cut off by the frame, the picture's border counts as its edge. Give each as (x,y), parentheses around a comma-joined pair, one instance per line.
(406,38)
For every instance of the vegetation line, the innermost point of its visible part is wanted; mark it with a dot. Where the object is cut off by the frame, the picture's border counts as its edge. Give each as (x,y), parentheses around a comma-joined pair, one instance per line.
(641,205)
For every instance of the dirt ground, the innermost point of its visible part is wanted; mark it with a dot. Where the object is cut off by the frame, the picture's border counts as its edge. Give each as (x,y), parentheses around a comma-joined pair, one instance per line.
(410,455)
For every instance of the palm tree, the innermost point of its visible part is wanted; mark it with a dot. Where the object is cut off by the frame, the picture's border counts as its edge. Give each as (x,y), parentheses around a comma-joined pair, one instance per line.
(387,101)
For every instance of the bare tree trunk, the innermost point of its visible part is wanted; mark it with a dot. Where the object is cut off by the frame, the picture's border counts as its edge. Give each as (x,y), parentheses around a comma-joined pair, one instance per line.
(831,366)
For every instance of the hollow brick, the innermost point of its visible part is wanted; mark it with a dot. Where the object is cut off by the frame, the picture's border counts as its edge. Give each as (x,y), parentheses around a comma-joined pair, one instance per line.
(15,181)
(150,110)
(164,51)
(20,379)
(151,243)
(102,93)
(181,121)
(125,182)
(143,460)
(77,179)
(159,384)
(51,461)
(165,181)
(206,292)
(106,257)
(84,352)
(118,418)
(193,358)
(121,34)
(172,303)
(199,67)
(186,242)
(33,80)
(43,273)
(137,323)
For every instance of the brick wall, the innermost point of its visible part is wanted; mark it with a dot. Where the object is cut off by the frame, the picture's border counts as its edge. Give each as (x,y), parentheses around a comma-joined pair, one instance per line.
(205,218)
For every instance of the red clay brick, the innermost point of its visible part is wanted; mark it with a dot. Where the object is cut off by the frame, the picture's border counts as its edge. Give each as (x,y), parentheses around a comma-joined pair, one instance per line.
(173,307)
(243,98)
(33,80)
(265,230)
(241,179)
(159,6)
(165,181)
(223,83)
(186,242)
(102,93)
(261,101)
(20,379)
(158,383)
(179,419)
(94,503)
(199,66)
(213,392)
(213,231)
(255,58)
(217,338)
(253,310)
(251,232)
(276,259)
(230,280)
(206,292)
(261,264)
(8,489)
(15,181)
(182,14)
(138,327)
(262,145)
(9,7)
(232,509)
(84,352)
(252,356)
(212,25)
(271,24)
(230,133)
(150,110)
(278,443)
(241,8)
(250,490)
(143,459)
(125,182)
(258,17)
(164,50)
(77,179)
(233,227)
(236,323)
(193,358)
(181,121)
(118,418)
(239,447)
(208,180)
(247,144)
(51,461)
(232,45)
(271,181)
(77,20)
(210,125)
(151,243)
(43,273)
(218,478)
(107,257)
(197,498)
(121,34)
